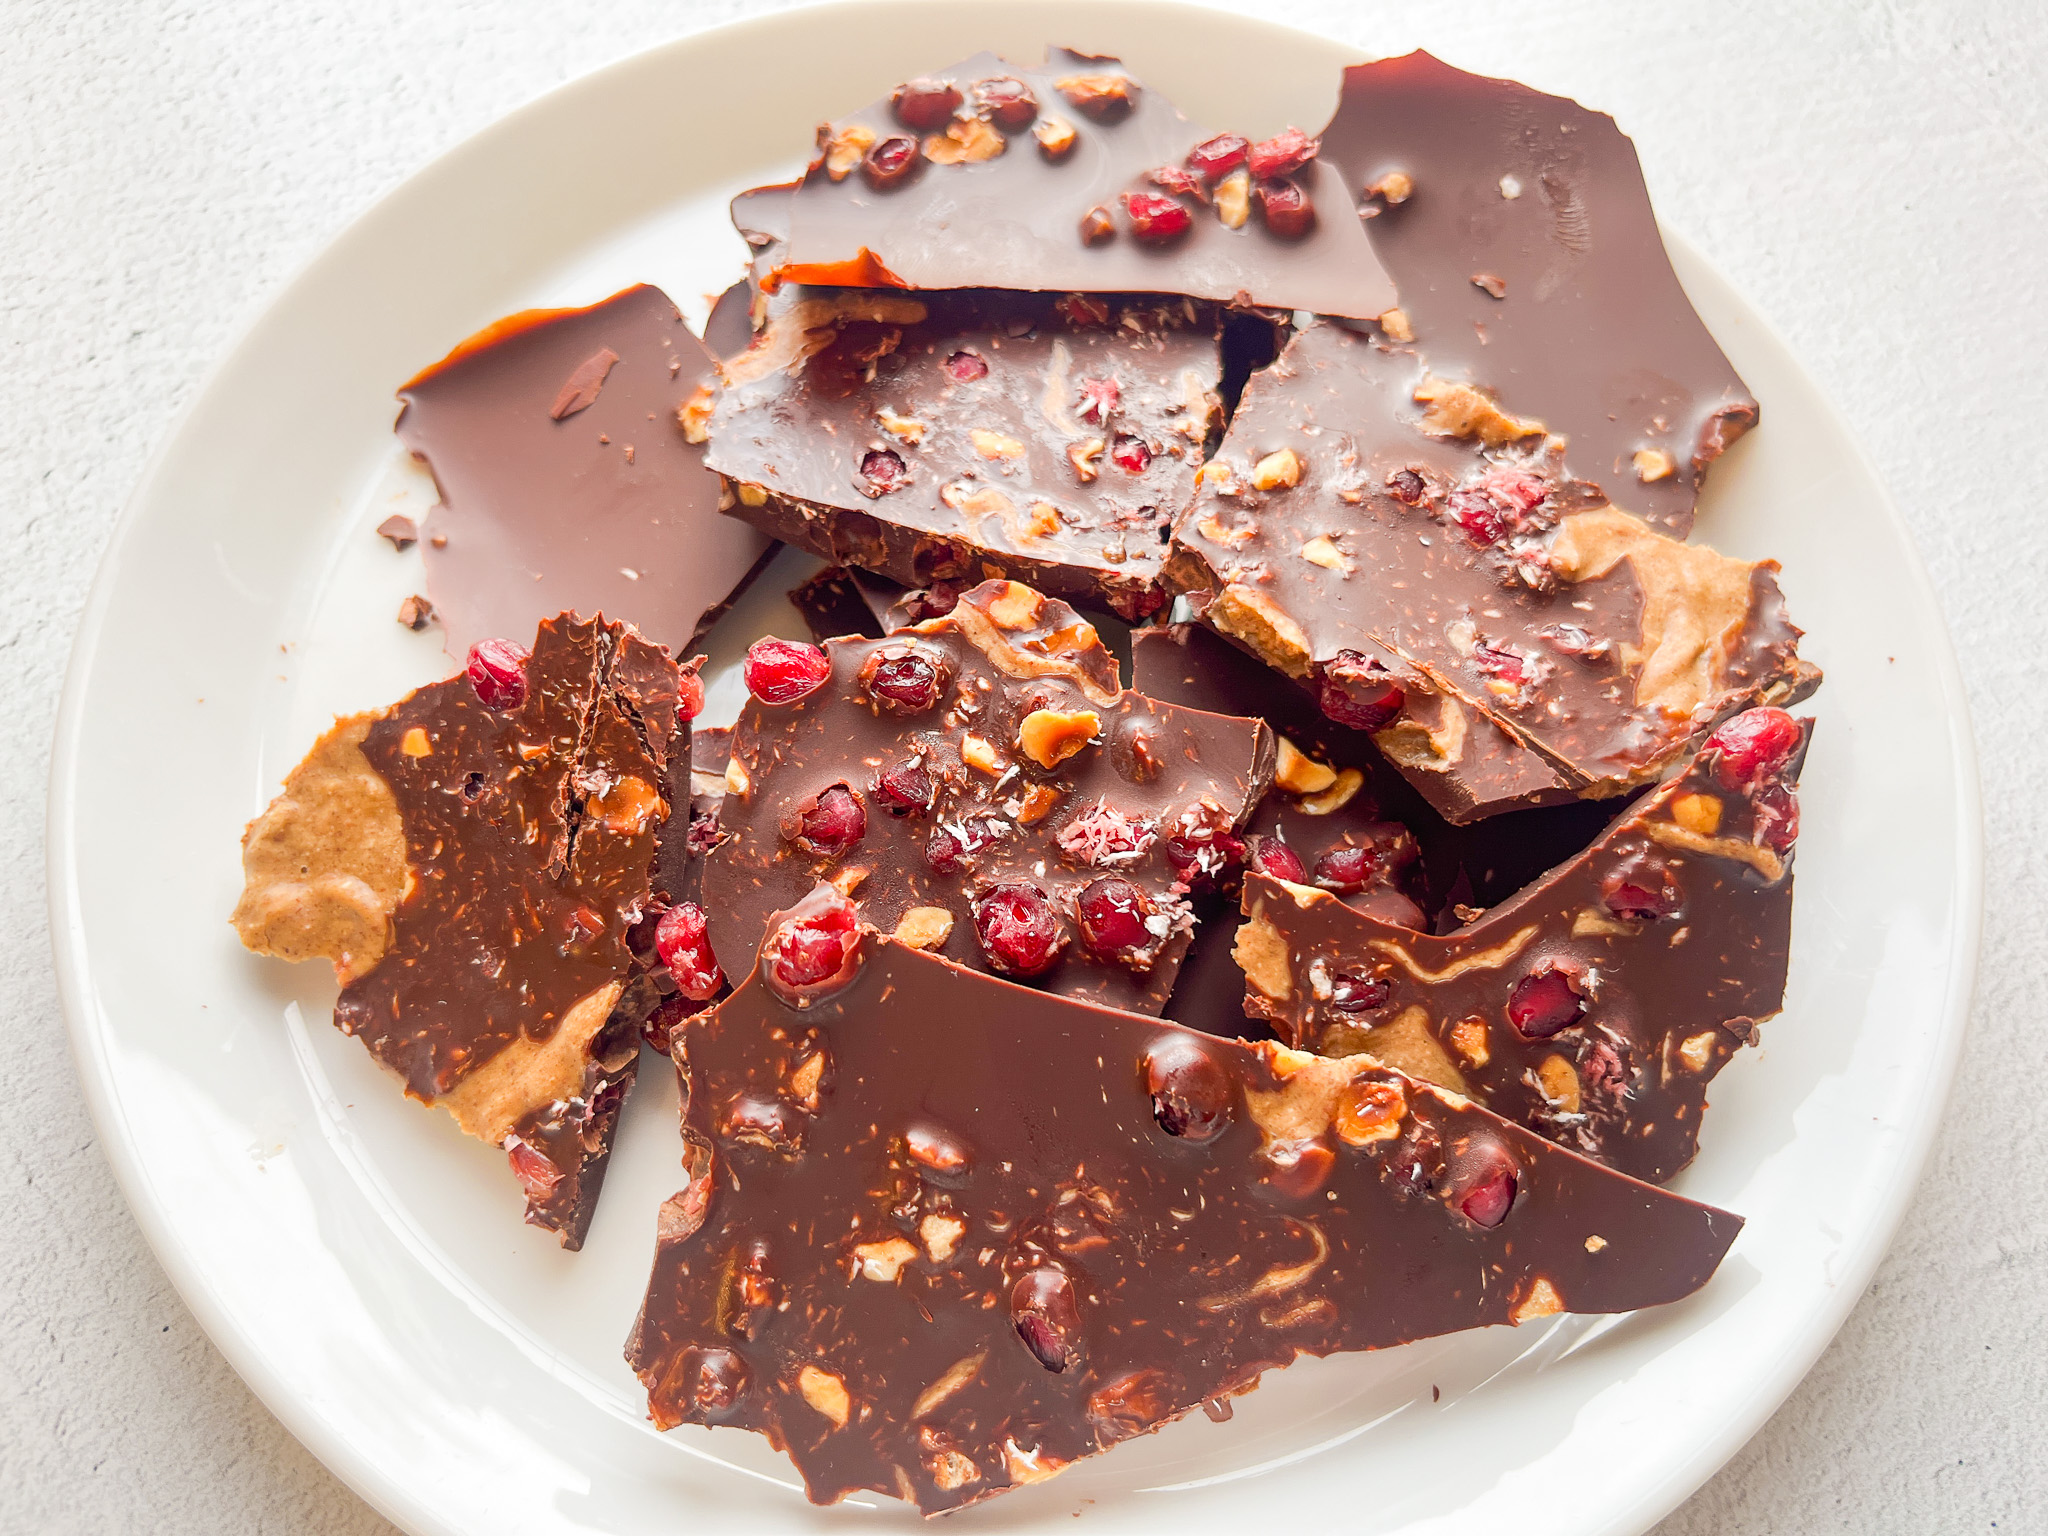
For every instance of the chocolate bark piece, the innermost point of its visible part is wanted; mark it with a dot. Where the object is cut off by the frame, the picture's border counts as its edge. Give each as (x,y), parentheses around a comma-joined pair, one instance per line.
(473,871)
(1028,768)
(960,436)
(1351,544)
(652,994)
(568,479)
(836,602)
(1036,193)
(1520,234)
(945,1235)
(1595,1006)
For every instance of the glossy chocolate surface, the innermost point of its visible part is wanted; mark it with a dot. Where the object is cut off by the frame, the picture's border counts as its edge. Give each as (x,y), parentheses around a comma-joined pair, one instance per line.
(940,1240)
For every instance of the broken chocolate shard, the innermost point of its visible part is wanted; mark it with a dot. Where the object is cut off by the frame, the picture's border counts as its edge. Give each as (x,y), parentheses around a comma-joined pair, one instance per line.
(1596,1005)
(571,482)
(473,871)
(1507,637)
(945,1236)
(416,613)
(1084,184)
(1573,317)
(982,781)
(836,602)
(401,530)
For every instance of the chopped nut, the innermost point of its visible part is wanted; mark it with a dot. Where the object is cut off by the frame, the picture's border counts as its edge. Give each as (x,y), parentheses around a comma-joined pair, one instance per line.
(1459,410)
(1654,464)
(934,1149)
(1367,1112)
(905,429)
(694,415)
(1056,137)
(1032,1466)
(975,752)
(1700,814)
(1276,471)
(1322,550)
(924,928)
(1542,1301)
(965,141)
(1217,473)
(993,445)
(803,1082)
(415,744)
(1234,199)
(884,1260)
(1097,225)
(941,1232)
(1216,533)
(1106,98)
(850,879)
(1698,1052)
(826,1393)
(1595,1243)
(974,503)
(1245,613)
(1349,782)
(1468,1039)
(951,1380)
(1394,187)
(1086,457)
(1591,923)
(1558,1082)
(1511,186)
(1300,774)
(630,806)
(1493,287)
(1015,607)
(951,1469)
(1050,736)
(1261,953)
(752,495)
(416,613)
(844,149)
(1039,800)
(1394,325)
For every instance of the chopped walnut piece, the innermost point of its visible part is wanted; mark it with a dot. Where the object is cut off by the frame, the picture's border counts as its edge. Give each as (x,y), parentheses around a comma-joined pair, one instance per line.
(1493,287)
(1340,794)
(1086,457)
(1468,1039)
(1697,1052)
(924,927)
(1542,1301)
(966,141)
(1106,98)
(941,1232)
(1459,410)
(994,445)
(1394,187)
(884,1260)
(1234,199)
(1697,813)
(844,149)
(1394,324)
(1056,137)
(415,744)
(907,430)
(1050,736)
(977,753)
(1300,774)
(1654,464)
(694,415)
(826,1393)
(1558,1082)
(1322,550)
(1276,471)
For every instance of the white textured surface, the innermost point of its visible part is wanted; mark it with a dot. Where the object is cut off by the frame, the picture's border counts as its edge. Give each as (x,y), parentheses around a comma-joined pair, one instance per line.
(1874,177)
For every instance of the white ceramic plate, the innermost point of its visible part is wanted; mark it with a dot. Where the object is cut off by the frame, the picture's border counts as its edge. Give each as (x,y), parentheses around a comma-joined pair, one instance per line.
(364,1267)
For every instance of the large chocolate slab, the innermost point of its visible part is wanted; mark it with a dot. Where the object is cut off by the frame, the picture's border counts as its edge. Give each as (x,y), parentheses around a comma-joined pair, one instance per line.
(1151,784)
(964,435)
(1669,935)
(1009,214)
(939,1240)
(1346,522)
(1529,264)
(567,480)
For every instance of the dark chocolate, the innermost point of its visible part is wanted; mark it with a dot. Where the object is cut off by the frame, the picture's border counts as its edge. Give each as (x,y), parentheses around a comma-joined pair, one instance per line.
(1595,1006)
(568,482)
(941,1238)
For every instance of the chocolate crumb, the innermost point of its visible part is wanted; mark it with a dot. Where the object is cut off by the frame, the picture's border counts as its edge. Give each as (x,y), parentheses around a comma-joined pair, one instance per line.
(401,530)
(415,613)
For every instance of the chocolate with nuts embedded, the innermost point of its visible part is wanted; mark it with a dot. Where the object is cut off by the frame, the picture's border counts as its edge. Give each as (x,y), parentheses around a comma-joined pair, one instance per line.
(945,1235)
(1595,1006)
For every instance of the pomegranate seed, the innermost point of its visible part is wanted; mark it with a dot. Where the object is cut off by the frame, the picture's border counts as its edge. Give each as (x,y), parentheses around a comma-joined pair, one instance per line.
(908,683)
(1358,691)
(831,824)
(1214,159)
(783,671)
(1640,890)
(1347,870)
(890,162)
(814,945)
(713,1380)
(1602,1070)
(1155,219)
(1174,179)
(1406,486)
(1475,512)
(966,367)
(1046,1316)
(883,469)
(1019,931)
(1132,454)
(1203,850)
(536,1171)
(1272,857)
(1777,816)
(1489,1194)
(924,104)
(497,671)
(1008,103)
(945,851)
(1286,208)
(905,788)
(1544,1002)
(1518,491)
(1511,667)
(1191,1093)
(1753,746)
(689,696)
(1282,155)
(1112,914)
(683,941)
(1082,309)
(1099,398)
(1353,993)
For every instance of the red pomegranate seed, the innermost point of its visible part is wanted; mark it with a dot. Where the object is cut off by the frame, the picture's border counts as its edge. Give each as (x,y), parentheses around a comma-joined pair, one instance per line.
(833,823)
(684,944)
(1489,1194)
(925,104)
(1175,179)
(1019,931)
(1132,454)
(1475,512)
(535,1169)
(783,671)
(1214,159)
(1407,487)
(1353,993)
(1518,491)
(1112,914)
(497,671)
(1511,667)
(1192,1096)
(945,851)
(905,788)
(1286,208)
(883,469)
(966,367)
(1358,691)
(1753,746)
(689,696)
(813,945)
(1282,155)
(1347,870)
(1008,103)
(890,162)
(910,683)
(1544,1002)
(1099,399)
(1272,857)
(1640,889)
(1047,1317)
(1777,816)
(1155,219)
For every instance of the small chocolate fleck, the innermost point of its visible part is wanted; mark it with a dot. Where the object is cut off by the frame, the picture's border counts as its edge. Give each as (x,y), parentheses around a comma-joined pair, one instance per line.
(415,613)
(579,390)
(401,530)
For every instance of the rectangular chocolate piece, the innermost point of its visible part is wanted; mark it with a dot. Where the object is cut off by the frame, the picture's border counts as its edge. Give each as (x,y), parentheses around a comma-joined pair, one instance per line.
(1398,557)
(1520,234)
(1595,1006)
(568,448)
(967,780)
(1040,177)
(945,1236)
(961,436)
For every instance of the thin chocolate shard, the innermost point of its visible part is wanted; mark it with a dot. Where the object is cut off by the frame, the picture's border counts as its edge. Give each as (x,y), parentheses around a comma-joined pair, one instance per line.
(835,604)
(960,436)
(945,1236)
(572,482)
(1595,1006)
(1035,194)
(1572,316)
(416,613)
(401,530)
(1472,608)
(473,872)
(652,995)
(980,771)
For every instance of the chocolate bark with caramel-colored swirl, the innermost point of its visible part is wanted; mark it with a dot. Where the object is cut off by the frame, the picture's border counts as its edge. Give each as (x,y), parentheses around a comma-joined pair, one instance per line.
(945,1236)
(1519,232)
(1593,1007)
(1024,763)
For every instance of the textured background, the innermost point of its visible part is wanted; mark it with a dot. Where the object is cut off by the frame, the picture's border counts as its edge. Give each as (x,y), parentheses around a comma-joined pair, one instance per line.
(1872,175)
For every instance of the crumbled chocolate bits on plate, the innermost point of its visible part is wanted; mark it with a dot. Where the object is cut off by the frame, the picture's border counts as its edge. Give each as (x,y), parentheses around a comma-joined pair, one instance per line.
(401,530)
(949,437)
(981,785)
(1071,175)
(944,1236)
(1397,552)
(1593,1007)
(571,474)
(1520,234)
(471,859)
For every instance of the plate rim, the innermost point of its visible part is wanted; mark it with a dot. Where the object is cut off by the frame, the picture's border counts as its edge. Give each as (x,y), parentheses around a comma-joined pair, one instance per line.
(389,1494)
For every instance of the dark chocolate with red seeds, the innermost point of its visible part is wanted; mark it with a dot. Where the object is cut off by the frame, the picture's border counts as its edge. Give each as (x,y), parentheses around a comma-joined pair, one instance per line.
(982,781)
(945,1235)
(1596,1005)
(952,437)
(530,831)
(1529,264)
(567,478)
(1505,635)
(1082,184)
